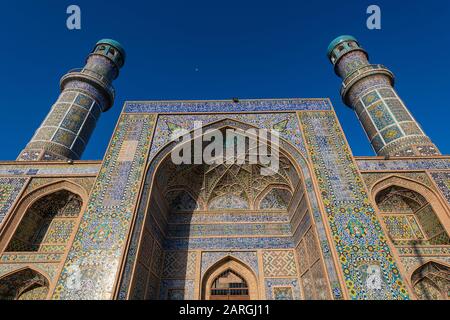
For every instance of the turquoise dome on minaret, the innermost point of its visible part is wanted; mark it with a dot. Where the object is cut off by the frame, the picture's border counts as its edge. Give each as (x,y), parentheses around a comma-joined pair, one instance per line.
(114,44)
(339,40)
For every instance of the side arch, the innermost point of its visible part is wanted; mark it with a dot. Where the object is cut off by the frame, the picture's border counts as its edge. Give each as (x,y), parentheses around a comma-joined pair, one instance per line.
(24,284)
(230,263)
(431,280)
(14,219)
(432,197)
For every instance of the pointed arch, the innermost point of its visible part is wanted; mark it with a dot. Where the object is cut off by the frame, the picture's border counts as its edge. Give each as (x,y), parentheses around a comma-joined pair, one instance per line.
(236,266)
(302,170)
(422,208)
(431,281)
(15,220)
(24,284)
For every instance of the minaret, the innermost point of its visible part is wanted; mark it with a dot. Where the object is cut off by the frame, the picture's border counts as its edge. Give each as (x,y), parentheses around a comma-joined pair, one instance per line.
(368,89)
(85,94)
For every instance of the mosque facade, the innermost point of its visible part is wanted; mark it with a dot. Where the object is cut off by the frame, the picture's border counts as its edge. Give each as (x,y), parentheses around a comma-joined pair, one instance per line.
(326,225)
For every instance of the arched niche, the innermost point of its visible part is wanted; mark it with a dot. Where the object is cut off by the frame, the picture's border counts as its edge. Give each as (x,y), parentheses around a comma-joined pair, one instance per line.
(411,212)
(44,219)
(227,266)
(24,284)
(431,281)
(137,278)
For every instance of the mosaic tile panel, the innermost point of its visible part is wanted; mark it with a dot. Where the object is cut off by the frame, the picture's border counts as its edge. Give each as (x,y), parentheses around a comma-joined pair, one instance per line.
(96,251)
(229,217)
(30,257)
(380,115)
(10,189)
(285,123)
(278,289)
(49,169)
(392,133)
(230,243)
(179,264)
(279,264)
(359,240)
(442,180)
(403,165)
(85,182)
(232,229)
(425,251)
(220,106)
(402,227)
(59,231)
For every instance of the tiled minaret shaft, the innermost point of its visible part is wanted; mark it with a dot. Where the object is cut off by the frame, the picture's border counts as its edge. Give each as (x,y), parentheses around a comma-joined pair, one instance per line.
(85,94)
(369,90)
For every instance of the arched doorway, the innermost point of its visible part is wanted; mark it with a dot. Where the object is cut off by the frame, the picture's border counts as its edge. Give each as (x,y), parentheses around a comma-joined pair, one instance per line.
(229,286)
(230,279)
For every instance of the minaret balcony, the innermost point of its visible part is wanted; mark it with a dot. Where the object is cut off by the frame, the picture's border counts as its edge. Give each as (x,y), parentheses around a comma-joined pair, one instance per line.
(98,80)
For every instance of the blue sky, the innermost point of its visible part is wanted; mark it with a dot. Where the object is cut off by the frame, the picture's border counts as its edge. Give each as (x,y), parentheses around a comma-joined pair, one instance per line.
(218,50)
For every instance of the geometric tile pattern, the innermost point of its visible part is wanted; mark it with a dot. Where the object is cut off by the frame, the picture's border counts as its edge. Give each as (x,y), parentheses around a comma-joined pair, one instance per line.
(37,169)
(279,264)
(313,277)
(220,106)
(179,264)
(96,251)
(10,188)
(357,233)
(403,164)
(59,231)
(402,227)
(248,257)
(442,180)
